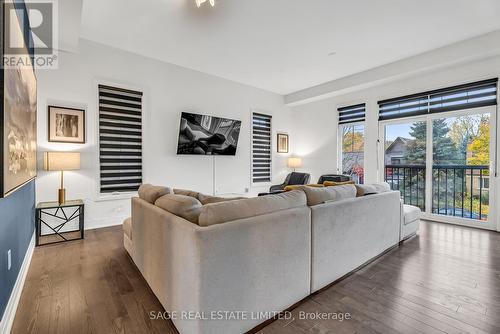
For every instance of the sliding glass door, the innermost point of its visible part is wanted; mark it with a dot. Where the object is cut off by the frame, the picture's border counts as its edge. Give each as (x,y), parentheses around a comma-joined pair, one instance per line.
(443,163)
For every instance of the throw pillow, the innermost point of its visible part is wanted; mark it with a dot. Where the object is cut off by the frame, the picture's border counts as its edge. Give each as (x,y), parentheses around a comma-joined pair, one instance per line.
(333,183)
(300,186)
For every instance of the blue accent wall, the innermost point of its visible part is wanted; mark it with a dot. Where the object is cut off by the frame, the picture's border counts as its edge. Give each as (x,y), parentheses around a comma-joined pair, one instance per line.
(17,223)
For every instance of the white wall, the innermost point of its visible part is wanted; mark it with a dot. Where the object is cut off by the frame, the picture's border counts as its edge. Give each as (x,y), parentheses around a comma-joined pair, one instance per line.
(317,129)
(315,138)
(168,90)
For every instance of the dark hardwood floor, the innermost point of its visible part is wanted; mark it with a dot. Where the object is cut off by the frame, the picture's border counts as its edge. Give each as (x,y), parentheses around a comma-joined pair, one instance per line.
(446,280)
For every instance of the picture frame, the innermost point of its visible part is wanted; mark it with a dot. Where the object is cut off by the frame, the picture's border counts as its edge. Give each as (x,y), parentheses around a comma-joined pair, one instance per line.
(282,143)
(66,125)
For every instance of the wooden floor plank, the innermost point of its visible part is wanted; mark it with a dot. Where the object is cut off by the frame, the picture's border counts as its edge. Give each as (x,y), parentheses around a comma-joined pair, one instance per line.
(445,280)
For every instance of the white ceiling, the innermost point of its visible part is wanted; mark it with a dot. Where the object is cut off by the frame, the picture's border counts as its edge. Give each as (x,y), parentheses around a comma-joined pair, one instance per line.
(283,45)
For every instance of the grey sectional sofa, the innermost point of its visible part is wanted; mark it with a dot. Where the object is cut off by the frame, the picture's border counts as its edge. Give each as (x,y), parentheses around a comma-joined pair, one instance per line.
(252,257)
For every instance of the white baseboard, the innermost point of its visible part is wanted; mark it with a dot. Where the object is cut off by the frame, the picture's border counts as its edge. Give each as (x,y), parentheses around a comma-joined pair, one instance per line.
(15,296)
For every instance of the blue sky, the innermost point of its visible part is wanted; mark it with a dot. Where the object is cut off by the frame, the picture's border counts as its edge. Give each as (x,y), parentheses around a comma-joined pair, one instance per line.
(392,131)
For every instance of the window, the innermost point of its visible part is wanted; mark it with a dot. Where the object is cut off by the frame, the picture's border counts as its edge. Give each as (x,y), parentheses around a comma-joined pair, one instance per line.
(486,182)
(120,139)
(261,148)
(454,126)
(396,161)
(352,131)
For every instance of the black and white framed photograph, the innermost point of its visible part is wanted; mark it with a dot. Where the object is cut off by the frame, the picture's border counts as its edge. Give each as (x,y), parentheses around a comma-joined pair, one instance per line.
(282,143)
(66,125)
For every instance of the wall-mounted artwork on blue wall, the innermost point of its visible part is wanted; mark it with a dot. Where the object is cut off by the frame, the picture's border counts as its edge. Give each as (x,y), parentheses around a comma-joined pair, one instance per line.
(18,94)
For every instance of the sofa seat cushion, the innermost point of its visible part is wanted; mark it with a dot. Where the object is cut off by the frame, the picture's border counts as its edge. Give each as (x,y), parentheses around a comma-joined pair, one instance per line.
(218,213)
(317,196)
(127,227)
(183,206)
(411,213)
(207,199)
(151,193)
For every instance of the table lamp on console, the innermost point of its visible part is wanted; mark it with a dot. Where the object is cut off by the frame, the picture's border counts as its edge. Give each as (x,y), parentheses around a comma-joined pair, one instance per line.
(61,162)
(294,163)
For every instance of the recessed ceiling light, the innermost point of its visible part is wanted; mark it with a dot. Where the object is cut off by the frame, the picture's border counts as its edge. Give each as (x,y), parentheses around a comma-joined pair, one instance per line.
(333,53)
(200,2)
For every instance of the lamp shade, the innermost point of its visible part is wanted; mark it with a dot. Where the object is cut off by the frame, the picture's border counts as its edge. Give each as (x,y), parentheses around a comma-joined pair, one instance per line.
(294,162)
(61,161)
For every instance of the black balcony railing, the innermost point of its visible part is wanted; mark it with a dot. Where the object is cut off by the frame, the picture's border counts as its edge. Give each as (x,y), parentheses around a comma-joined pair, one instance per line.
(461,191)
(410,181)
(457,190)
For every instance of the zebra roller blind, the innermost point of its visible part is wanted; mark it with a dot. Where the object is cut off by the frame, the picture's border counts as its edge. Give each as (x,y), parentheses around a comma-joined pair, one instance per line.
(120,139)
(261,148)
(472,95)
(352,114)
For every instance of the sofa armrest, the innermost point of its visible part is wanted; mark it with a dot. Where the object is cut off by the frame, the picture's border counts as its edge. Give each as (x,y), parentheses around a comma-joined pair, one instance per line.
(347,233)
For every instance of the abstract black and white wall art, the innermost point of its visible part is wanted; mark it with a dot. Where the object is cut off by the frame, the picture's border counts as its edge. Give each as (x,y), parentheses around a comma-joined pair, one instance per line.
(207,135)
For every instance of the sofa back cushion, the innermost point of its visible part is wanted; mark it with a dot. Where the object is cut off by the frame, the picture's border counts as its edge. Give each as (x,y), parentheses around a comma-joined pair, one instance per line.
(218,213)
(374,188)
(185,192)
(365,189)
(183,206)
(317,196)
(151,193)
(382,186)
(207,199)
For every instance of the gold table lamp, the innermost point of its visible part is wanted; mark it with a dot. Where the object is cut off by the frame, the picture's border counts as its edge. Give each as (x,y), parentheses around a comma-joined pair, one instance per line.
(61,161)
